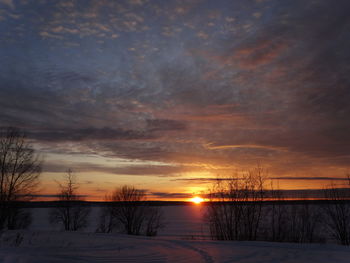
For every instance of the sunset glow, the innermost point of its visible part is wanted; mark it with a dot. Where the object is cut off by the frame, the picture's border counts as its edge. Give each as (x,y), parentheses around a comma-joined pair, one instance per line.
(197,200)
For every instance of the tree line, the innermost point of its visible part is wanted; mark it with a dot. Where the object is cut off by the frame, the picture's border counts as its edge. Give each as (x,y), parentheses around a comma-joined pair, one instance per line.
(20,168)
(236,209)
(126,211)
(246,207)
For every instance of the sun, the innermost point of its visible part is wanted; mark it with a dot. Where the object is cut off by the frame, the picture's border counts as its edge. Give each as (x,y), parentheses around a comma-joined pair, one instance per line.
(197,200)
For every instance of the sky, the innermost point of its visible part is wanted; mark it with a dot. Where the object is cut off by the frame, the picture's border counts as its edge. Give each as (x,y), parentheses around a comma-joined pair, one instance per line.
(170,95)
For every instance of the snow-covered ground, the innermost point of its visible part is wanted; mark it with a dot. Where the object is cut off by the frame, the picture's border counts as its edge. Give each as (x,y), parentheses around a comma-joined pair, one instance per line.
(46,247)
(179,241)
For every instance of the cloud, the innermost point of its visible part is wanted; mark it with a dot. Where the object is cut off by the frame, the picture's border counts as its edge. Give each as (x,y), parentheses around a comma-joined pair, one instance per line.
(102,19)
(274,91)
(87,134)
(257,56)
(319,178)
(202,180)
(268,147)
(165,125)
(165,170)
(167,195)
(107,133)
(226,175)
(8,3)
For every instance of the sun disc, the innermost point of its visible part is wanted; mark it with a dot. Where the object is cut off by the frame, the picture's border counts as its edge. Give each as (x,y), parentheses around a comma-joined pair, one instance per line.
(197,200)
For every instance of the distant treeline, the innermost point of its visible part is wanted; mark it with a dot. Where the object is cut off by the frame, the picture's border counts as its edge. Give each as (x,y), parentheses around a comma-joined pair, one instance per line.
(47,204)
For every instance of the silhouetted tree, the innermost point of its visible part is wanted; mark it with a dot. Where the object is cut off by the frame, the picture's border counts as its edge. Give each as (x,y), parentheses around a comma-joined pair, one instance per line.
(154,221)
(70,212)
(235,207)
(337,212)
(128,211)
(303,220)
(278,216)
(20,168)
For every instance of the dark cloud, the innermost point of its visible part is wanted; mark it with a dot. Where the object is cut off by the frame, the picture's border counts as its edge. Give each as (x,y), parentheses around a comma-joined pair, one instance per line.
(165,125)
(141,170)
(85,134)
(320,178)
(166,195)
(202,180)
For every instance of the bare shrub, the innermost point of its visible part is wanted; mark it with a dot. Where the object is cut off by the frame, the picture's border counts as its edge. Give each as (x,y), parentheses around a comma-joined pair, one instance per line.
(337,213)
(235,208)
(70,211)
(303,220)
(278,216)
(129,213)
(20,168)
(153,221)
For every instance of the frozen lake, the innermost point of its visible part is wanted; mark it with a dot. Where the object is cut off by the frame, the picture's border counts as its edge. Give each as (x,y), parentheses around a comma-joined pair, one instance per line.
(182,221)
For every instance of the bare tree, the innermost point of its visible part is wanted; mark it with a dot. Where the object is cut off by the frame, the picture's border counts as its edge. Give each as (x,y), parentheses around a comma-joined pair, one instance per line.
(254,192)
(70,211)
(278,215)
(129,212)
(303,220)
(235,208)
(337,211)
(20,168)
(153,221)
(291,222)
